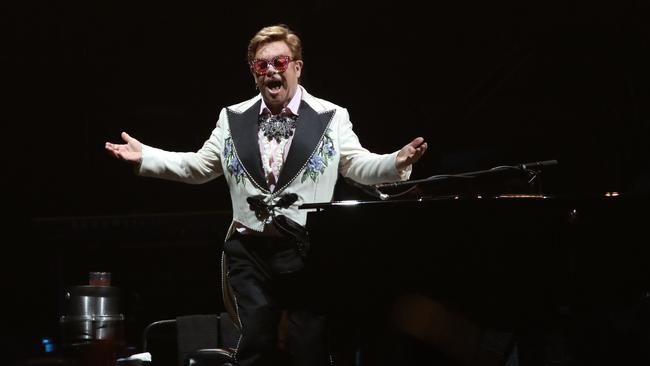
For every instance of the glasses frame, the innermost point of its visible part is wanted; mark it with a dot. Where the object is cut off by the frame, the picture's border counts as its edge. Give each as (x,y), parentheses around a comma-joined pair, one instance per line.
(270,63)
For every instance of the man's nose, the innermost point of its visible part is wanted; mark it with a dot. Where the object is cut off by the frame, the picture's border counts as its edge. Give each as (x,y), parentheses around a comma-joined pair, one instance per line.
(271,70)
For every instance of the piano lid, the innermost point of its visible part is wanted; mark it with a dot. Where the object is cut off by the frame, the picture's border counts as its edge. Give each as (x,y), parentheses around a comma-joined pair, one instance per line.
(406,201)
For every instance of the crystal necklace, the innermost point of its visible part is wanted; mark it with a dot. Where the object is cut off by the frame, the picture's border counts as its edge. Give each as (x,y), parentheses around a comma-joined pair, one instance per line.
(277,127)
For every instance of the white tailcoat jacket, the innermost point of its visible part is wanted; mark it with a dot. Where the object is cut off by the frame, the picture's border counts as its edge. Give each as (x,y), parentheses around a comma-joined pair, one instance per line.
(323,146)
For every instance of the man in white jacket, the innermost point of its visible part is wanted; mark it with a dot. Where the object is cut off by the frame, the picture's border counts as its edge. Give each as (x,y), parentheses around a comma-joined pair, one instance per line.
(278,150)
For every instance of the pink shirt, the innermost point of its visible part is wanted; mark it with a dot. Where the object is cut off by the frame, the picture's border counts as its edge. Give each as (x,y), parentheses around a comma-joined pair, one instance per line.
(293,106)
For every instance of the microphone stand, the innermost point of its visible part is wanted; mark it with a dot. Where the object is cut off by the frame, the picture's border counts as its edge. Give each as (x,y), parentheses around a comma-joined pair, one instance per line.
(533,169)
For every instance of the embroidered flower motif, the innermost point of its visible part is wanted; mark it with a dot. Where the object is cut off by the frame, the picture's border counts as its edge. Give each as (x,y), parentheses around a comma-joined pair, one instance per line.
(321,158)
(232,162)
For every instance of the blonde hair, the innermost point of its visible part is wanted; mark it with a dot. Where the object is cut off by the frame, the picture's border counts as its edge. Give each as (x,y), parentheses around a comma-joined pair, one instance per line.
(279,32)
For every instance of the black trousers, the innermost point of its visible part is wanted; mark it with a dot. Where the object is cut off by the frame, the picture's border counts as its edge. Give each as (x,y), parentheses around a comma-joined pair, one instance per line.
(268,277)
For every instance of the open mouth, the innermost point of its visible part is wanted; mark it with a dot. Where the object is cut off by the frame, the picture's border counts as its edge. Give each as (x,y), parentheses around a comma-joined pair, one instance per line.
(274,85)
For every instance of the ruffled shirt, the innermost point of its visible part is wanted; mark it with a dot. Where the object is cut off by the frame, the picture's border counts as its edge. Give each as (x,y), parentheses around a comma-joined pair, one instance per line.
(273,155)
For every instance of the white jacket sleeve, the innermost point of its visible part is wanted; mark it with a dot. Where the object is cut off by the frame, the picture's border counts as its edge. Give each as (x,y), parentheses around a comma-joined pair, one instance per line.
(188,167)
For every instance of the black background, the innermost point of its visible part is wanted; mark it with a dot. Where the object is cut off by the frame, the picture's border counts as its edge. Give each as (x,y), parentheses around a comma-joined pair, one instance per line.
(485,83)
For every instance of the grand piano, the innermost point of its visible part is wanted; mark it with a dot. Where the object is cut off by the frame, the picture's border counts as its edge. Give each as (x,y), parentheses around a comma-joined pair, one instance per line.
(442,272)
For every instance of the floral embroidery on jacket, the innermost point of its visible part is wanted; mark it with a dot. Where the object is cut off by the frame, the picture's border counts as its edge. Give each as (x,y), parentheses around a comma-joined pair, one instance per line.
(318,162)
(232,162)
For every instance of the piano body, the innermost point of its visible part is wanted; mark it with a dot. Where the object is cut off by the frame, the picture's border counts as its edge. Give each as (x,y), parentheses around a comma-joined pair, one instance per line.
(470,279)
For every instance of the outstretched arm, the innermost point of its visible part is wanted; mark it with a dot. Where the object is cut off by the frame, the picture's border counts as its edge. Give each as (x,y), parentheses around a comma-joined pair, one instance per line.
(410,153)
(131,151)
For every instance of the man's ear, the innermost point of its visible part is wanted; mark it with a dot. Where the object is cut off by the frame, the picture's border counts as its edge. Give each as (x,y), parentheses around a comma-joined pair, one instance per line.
(298,67)
(254,79)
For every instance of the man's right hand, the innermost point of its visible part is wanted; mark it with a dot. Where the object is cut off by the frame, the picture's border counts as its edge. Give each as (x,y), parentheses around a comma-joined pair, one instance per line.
(131,151)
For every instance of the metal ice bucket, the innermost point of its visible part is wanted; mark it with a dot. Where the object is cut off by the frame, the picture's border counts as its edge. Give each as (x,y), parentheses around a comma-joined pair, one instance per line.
(92,314)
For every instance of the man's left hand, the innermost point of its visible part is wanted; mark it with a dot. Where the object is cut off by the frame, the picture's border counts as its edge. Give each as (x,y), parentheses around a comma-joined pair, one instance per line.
(410,153)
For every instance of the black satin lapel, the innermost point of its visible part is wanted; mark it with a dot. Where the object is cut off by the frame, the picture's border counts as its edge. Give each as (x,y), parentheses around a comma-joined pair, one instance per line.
(243,129)
(309,130)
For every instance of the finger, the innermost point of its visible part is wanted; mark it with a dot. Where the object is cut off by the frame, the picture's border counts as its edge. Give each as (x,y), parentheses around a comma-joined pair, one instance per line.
(110,147)
(417,142)
(114,150)
(418,152)
(125,137)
